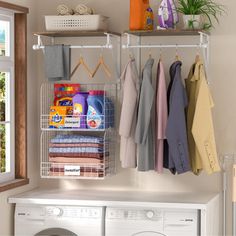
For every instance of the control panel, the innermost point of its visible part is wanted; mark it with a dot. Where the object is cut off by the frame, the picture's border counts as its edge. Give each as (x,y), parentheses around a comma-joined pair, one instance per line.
(134,214)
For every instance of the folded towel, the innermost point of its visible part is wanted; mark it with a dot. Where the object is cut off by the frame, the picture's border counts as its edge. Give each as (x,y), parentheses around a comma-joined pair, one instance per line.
(63,10)
(62,145)
(76,150)
(80,155)
(60,138)
(82,9)
(75,160)
(82,174)
(57,62)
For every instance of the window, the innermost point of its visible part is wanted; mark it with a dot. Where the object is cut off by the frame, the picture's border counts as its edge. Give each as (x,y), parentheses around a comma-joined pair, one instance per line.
(7,126)
(13,100)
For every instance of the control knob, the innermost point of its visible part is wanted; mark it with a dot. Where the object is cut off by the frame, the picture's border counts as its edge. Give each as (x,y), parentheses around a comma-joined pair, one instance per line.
(150,214)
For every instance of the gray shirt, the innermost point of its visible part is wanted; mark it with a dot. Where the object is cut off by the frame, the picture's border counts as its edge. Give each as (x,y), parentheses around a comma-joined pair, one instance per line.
(176,125)
(144,133)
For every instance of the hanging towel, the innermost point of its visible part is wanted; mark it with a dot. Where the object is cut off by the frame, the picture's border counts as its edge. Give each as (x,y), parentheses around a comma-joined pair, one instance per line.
(144,129)
(130,85)
(57,62)
(161,114)
(202,127)
(176,132)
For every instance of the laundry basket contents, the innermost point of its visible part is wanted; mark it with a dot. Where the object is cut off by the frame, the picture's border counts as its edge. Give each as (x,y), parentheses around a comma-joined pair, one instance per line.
(76,106)
(74,155)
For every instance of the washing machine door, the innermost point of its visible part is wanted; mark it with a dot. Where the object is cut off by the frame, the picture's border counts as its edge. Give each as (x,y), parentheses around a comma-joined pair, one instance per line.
(56,232)
(148,233)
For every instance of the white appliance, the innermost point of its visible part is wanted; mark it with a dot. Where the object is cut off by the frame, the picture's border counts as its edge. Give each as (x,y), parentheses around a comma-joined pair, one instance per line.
(151,222)
(41,220)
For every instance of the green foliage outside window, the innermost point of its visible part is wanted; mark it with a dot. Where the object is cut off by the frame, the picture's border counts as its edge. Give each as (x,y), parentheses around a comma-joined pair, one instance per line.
(2,127)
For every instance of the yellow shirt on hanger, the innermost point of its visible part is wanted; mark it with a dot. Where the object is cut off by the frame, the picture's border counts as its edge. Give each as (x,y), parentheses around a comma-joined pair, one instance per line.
(192,90)
(202,127)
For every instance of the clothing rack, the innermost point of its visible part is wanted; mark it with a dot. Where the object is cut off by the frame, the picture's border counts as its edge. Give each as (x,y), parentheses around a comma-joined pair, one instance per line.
(112,43)
(108,44)
(204,43)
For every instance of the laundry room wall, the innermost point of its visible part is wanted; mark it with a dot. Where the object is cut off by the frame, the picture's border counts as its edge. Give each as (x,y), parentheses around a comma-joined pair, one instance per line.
(7,210)
(126,179)
(222,84)
(221,71)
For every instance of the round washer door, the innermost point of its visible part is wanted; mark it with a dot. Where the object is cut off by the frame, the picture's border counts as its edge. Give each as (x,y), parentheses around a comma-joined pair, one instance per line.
(55,232)
(148,233)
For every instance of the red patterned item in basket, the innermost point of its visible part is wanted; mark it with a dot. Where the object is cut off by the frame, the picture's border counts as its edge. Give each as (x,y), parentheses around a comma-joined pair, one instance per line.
(66,90)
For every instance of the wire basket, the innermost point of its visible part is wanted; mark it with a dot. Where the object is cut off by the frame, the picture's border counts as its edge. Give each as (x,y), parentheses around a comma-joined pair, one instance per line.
(73,161)
(76,22)
(75,123)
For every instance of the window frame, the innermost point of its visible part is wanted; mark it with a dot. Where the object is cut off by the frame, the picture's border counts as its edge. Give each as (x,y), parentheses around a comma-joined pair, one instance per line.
(20,92)
(7,66)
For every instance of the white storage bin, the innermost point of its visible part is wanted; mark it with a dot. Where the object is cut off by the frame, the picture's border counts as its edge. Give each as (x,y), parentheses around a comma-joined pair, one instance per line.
(76,22)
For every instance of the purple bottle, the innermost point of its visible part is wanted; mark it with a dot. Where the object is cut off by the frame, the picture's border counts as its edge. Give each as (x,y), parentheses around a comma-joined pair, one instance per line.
(80,108)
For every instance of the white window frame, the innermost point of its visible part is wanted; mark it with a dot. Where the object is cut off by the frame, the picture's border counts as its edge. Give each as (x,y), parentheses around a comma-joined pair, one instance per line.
(7,65)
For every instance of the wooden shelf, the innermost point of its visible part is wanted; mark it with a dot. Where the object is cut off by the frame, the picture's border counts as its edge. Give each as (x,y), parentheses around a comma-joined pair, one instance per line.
(168,32)
(75,33)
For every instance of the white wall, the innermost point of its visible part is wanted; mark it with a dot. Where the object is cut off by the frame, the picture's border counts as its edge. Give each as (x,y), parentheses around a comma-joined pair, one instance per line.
(128,179)
(7,210)
(222,85)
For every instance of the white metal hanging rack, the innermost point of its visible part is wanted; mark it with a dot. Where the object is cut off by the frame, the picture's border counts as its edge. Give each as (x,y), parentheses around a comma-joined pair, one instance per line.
(108,44)
(203,44)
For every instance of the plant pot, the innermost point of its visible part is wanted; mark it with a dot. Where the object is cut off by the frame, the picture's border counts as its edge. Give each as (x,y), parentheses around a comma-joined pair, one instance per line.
(192,22)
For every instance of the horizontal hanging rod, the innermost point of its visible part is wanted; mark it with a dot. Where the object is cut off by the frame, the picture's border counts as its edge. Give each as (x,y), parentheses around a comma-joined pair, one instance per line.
(109,46)
(167,46)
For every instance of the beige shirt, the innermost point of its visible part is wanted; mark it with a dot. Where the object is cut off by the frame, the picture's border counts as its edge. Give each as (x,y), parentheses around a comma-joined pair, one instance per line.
(128,118)
(202,126)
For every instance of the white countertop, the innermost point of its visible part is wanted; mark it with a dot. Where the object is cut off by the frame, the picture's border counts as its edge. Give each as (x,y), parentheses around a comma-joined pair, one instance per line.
(114,198)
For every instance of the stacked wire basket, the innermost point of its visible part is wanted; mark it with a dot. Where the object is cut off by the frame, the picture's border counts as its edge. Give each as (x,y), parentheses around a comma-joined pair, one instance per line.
(96,159)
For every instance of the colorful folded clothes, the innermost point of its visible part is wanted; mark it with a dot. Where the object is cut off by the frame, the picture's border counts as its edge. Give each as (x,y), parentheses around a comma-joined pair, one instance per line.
(82,174)
(79,155)
(74,160)
(75,145)
(60,138)
(76,150)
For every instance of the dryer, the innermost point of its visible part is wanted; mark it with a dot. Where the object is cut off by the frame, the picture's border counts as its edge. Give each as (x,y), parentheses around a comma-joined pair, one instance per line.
(151,222)
(41,220)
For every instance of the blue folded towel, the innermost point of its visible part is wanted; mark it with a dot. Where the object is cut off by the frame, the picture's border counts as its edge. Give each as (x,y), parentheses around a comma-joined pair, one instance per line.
(60,138)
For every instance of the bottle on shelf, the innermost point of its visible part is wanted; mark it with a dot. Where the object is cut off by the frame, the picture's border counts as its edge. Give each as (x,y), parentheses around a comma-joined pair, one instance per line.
(137,14)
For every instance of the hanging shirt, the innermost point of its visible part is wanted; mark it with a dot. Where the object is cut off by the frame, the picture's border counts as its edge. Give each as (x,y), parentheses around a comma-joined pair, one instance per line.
(161,114)
(144,130)
(176,125)
(130,85)
(192,93)
(202,127)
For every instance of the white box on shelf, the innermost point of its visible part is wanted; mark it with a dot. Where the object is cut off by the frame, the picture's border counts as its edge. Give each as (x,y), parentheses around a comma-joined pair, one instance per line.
(76,22)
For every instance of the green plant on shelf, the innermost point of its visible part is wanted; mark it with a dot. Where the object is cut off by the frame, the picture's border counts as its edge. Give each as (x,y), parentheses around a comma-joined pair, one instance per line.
(208,9)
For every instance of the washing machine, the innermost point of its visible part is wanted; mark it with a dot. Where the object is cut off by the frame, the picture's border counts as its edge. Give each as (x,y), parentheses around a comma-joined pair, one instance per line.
(151,222)
(41,220)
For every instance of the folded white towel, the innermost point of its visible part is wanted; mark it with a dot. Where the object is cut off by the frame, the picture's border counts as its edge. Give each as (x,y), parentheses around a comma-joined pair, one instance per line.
(82,9)
(64,10)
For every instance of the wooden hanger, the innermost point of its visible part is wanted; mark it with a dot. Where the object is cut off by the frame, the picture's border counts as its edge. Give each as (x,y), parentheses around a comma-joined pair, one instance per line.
(81,62)
(197,58)
(104,66)
(150,53)
(176,54)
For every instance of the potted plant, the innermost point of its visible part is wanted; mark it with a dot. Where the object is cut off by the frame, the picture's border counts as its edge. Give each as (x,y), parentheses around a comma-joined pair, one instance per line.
(198,14)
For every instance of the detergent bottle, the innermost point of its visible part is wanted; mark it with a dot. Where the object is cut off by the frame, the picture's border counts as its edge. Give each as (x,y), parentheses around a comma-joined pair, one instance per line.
(80,108)
(137,14)
(96,109)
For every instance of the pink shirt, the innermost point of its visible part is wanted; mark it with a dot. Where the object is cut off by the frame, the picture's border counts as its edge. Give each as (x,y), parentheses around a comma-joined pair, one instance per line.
(161,114)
